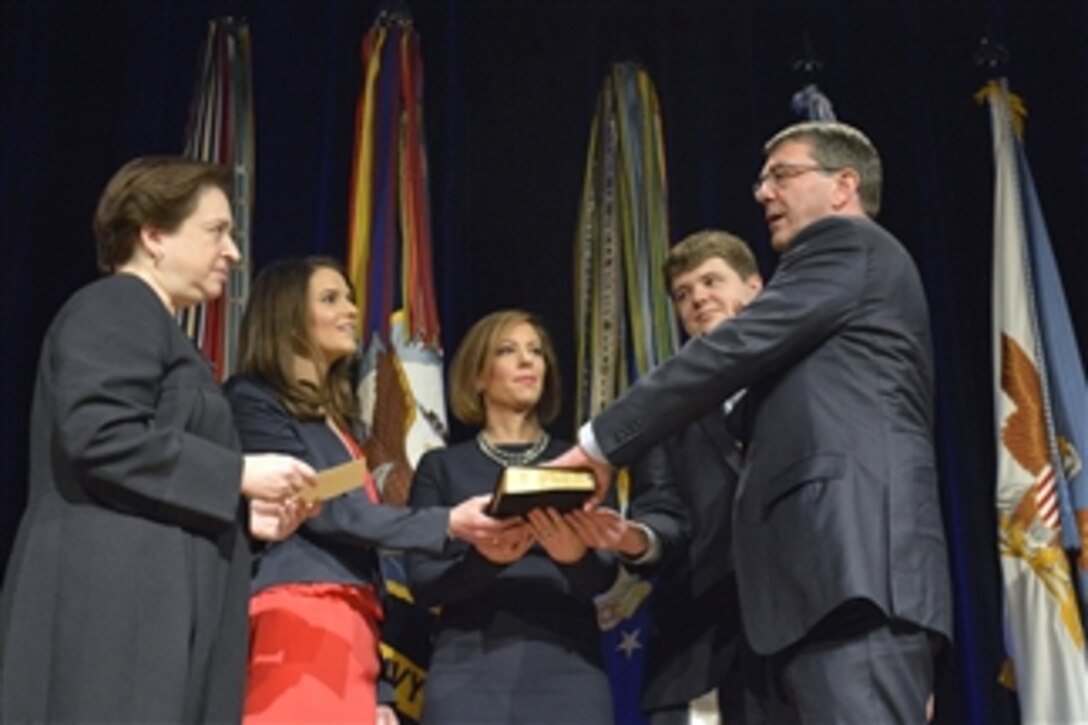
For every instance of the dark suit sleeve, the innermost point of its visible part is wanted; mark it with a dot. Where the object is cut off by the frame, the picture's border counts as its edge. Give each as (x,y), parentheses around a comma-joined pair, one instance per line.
(107,360)
(460,572)
(815,290)
(656,502)
(592,574)
(265,426)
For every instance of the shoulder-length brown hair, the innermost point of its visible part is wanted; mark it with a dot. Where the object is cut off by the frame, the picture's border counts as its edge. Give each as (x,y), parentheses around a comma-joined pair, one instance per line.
(275,328)
(474,356)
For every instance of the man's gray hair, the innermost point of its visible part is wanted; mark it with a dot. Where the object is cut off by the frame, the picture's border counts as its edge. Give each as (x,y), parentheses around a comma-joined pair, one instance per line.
(837,146)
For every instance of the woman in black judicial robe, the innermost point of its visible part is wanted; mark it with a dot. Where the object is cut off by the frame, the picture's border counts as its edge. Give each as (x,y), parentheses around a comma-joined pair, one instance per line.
(517,637)
(126,592)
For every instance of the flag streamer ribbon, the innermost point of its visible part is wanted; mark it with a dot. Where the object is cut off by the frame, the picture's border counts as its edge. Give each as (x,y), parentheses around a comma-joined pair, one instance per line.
(389,248)
(220,130)
(624,322)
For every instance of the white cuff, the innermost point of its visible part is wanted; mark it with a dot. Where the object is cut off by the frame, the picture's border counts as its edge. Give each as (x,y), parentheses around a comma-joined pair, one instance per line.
(653,547)
(588,442)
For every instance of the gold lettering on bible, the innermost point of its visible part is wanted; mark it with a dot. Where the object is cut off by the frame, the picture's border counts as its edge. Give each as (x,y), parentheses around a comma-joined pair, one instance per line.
(523,488)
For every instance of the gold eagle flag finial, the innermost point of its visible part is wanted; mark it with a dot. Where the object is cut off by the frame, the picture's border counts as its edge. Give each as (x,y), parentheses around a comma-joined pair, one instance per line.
(1017,110)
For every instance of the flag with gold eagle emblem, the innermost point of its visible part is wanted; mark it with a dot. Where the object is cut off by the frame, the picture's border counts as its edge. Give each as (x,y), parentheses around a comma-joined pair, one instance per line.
(1041,418)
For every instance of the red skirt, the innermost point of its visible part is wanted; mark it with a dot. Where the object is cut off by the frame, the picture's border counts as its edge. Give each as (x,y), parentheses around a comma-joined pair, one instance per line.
(313,654)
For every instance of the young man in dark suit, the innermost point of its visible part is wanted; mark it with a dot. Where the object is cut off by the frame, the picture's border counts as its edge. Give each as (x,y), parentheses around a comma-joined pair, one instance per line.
(678,526)
(841,562)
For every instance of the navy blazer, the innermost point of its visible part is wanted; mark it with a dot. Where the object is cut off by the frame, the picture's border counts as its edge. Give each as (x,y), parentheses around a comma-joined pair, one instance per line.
(514,641)
(684,491)
(838,498)
(338,545)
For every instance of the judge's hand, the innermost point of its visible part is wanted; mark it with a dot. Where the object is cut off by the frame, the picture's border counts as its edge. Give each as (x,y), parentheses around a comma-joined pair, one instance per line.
(468,521)
(555,536)
(508,546)
(605,528)
(274,477)
(276,520)
(576,457)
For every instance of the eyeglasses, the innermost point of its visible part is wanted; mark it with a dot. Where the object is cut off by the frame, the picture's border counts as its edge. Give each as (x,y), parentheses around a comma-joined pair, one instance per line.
(780,173)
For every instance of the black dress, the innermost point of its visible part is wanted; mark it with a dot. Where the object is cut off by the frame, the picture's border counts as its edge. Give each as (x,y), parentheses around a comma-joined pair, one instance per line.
(126,593)
(515,643)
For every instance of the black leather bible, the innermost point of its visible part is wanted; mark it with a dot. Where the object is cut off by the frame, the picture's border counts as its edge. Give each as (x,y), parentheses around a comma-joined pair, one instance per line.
(523,488)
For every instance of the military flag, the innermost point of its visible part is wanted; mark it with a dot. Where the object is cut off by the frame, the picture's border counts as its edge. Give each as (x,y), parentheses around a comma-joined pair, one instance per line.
(624,320)
(389,263)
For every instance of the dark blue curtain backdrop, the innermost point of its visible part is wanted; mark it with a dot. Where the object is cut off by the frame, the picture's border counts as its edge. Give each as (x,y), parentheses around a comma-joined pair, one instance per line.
(510,91)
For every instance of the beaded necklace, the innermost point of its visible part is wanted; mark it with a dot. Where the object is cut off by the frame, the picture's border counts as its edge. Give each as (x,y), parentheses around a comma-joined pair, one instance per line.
(512,458)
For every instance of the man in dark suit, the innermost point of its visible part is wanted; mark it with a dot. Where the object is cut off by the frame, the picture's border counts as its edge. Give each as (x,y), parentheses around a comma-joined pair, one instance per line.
(678,526)
(841,562)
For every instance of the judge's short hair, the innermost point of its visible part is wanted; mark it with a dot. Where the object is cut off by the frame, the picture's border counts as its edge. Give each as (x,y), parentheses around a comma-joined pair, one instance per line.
(150,191)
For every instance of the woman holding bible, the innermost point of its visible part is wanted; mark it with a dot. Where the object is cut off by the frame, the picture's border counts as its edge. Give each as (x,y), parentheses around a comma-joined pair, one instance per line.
(517,633)
(315,610)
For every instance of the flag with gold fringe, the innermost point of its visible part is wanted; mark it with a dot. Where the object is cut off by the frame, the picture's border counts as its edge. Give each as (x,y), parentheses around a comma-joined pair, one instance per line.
(220,130)
(1041,417)
(389,263)
(624,321)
